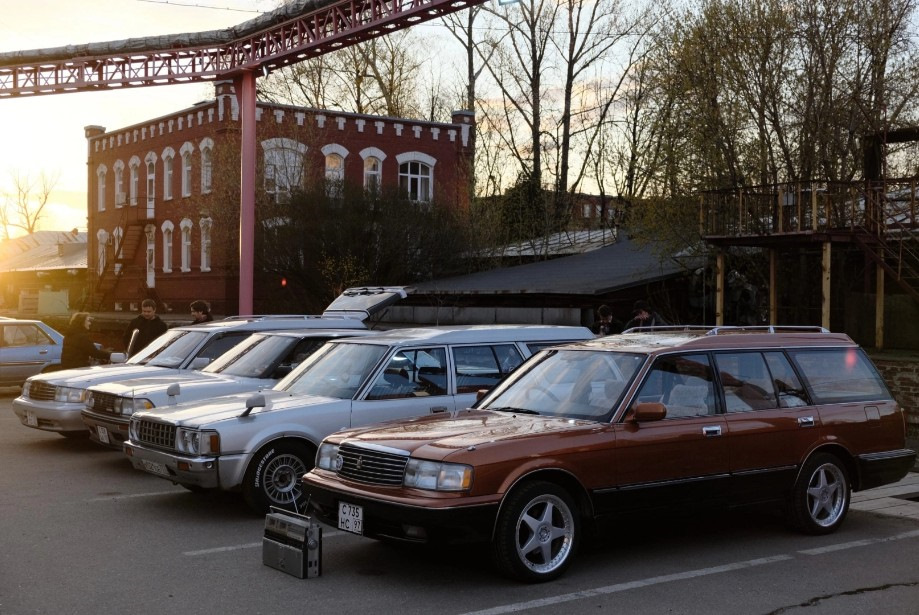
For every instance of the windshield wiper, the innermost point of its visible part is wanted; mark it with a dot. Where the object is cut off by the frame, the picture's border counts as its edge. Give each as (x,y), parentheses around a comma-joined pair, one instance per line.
(514,410)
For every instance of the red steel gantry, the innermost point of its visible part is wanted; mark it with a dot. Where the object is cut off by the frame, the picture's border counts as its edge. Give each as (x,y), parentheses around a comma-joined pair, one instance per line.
(303,29)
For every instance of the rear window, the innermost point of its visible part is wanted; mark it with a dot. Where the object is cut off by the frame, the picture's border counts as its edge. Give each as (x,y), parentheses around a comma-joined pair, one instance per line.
(838,375)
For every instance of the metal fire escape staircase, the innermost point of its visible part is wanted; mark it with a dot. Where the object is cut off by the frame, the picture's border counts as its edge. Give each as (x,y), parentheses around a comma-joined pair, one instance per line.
(123,262)
(889,235)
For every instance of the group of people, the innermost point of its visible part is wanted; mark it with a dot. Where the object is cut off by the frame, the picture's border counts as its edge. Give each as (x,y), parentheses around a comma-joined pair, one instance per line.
(79,350)
(643,315)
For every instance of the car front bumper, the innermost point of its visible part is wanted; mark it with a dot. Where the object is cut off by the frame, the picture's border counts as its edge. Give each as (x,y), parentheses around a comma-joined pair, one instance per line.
(456,523)
(206,472)
(49,416)
(106,429)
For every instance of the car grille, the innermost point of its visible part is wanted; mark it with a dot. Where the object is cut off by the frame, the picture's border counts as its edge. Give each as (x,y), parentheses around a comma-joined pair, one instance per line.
(41,391)
(157,435)
(104,402)
(371,466)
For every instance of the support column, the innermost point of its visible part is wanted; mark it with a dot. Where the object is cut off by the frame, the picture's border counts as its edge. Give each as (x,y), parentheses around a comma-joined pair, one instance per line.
(879,309)
(825,311)
(244,84)
(773,291)
(719,289)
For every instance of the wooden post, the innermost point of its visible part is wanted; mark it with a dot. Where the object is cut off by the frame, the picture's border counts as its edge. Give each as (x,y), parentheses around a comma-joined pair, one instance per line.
(825,315)
(719,289)
(773,291)
(879,309)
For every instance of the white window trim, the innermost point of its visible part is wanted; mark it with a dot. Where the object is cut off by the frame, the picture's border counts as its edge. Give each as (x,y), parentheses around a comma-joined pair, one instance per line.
(150,167)
(167,229)
(423,158)
(207,170)
(120,198)
(102,238)
(206,225)
(101,172)
(186,225)
(169,155)
(133,179)
(185,152)
(285,145)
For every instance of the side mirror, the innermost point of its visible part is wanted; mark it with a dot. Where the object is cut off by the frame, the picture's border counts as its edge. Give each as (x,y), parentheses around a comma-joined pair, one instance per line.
(647,411)
(117,357)
(199,363)
(174,389)
(255,401)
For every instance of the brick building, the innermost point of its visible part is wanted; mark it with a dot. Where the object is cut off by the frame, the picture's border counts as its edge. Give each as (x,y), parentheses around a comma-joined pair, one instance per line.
(158,190)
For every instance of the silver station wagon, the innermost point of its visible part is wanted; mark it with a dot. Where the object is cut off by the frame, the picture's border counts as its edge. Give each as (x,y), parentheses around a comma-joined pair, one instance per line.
(263,444)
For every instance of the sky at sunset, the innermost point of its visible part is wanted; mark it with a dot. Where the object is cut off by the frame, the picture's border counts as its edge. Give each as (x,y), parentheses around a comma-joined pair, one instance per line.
(44,134)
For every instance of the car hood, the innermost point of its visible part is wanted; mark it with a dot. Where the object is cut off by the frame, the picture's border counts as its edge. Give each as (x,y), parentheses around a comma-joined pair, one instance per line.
(187,380)
(85,377)
(437,437)
(227,407)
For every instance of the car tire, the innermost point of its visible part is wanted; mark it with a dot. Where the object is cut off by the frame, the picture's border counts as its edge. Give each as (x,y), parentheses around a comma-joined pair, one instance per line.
(274,475)
(537,532)
(821,495)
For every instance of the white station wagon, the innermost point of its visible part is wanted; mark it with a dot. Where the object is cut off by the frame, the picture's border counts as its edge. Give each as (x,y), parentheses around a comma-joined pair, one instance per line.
(55,401)
(263,444)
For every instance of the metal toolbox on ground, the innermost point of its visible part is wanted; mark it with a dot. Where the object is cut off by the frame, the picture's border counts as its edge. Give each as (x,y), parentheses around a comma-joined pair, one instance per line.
(292,543)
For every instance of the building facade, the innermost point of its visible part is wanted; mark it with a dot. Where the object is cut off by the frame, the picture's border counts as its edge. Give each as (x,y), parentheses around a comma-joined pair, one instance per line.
(159,190)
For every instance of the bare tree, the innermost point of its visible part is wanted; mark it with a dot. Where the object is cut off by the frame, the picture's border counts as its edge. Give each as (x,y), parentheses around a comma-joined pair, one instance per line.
(25,204)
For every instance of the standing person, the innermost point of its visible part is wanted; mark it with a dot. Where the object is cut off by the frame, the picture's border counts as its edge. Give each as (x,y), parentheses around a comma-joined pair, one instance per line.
(644,316)
(148,326)
(78,350)
(605,323)
(200,312)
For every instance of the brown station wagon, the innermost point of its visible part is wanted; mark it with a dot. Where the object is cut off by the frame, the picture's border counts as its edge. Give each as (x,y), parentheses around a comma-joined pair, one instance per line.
(657,421)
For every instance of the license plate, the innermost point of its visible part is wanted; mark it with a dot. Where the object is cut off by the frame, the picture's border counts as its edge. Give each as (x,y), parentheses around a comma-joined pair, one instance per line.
(31,421)
(103,434)
(155,468)
(350,518)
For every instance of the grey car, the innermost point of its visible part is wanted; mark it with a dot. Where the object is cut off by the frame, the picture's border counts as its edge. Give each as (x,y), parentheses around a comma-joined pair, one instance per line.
(27,347)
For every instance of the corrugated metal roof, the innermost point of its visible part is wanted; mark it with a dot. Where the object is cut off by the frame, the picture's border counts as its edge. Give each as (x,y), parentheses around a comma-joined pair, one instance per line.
(44,251)
(615,267)
(559,244)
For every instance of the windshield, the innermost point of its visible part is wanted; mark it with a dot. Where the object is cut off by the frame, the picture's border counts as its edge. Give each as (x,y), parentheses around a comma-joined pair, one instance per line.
(256,357)
(171,349)
(578,384)
(336,370)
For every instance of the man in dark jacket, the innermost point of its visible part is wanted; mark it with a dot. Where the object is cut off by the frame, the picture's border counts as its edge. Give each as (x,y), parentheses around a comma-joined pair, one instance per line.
(78,350)
(148,326)
(644,316)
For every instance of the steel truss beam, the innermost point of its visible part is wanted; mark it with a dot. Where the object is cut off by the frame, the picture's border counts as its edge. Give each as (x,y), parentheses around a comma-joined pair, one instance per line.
(335,26)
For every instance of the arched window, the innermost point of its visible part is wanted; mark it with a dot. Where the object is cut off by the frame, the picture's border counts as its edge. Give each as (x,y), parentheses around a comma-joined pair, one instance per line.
(207,165)
(119,184)
(186,152)
(150,232)
(205,224)
(373,168)
(186,225)
(102,239)
(117,237)
(169,155)
(150,161)
(167,229)
(283,167)
(101,172)
(416,175)
(134,179)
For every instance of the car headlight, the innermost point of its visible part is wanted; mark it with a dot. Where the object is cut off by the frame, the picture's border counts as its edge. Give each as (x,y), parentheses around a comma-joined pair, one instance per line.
(69,395)
(197,442)
(27,385)
(127,406)
(437,476)
(327,458)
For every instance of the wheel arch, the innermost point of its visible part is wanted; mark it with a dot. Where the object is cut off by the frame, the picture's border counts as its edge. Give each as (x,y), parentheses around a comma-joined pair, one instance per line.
(556,476)
(841,453)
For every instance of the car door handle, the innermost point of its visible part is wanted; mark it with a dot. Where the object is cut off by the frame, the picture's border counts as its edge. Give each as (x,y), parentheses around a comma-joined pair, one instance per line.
(711,431)
(438,409)
(806,421)
(43,351)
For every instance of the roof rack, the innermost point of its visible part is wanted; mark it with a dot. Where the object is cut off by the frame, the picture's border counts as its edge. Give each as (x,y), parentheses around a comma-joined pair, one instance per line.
(725,329)
(269,317)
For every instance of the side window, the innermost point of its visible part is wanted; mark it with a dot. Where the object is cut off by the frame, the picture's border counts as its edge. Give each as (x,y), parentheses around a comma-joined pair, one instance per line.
(482,367)
(24,335)
(417,372)
(746,381)
(839,375)
(218,345)
(683,383)
(787,384)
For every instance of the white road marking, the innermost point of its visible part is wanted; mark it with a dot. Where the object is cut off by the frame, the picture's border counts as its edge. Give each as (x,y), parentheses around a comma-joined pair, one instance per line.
(115,498)
(621,587)
(249,545)
(682,576)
